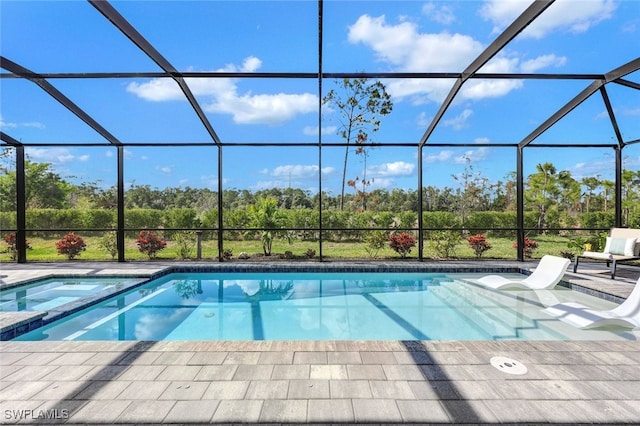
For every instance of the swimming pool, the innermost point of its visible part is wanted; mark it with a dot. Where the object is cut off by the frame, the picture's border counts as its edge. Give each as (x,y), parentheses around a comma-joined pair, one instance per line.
(48,294)
(322,306)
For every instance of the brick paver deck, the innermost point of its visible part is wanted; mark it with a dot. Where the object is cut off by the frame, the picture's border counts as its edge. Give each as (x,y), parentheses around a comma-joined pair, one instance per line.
(319,381)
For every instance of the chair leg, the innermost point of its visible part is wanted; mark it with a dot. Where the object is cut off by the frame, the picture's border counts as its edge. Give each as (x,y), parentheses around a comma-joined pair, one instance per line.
(575,264)
(613,270)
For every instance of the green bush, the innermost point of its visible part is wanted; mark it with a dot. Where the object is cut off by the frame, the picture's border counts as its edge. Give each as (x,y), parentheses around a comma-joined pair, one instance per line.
(237,219)
(444,243)
(143,218)
(185,244)
(109,243)
(99,218)
(303,219)
(603,220)
(180,218)
(407,219)
(440,220)
(375,240)
(7,220)
(54,219)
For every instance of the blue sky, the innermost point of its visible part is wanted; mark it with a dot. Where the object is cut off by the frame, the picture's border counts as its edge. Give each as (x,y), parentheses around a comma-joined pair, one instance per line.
(572,36)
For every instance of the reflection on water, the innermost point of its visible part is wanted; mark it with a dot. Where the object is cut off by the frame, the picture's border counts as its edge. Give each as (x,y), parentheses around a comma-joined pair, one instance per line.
(305,306)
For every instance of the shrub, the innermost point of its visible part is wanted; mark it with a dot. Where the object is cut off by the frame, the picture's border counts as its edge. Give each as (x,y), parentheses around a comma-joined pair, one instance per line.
(109,243)
(402,243)
(185,244)
(12,245)
(376,240)
(479,244)
(444,243)
(311,253)
(529,247)
(71,245)
(149,243)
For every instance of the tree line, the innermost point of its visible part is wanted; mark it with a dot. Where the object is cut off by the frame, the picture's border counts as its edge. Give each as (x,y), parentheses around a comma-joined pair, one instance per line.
(554,196)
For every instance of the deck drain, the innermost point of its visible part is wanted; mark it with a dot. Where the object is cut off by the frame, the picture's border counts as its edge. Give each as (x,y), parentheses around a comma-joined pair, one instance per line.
(508,365)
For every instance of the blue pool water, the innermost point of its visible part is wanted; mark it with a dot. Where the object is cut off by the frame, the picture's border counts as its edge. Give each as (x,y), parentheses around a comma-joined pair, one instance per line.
(318,306)
(53,293)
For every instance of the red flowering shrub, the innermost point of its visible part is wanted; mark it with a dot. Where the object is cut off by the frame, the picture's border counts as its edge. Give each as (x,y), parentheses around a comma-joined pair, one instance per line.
(529,247)
(12,247)
(479,244)
(71,245)
(402,243)
(149,243)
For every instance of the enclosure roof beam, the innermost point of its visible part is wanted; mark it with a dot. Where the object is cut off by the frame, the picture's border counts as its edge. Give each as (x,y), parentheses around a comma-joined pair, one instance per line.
(9,140)
(628,83)
(614,75)
(58,96)
(612,115)
(109,12)
(516,27)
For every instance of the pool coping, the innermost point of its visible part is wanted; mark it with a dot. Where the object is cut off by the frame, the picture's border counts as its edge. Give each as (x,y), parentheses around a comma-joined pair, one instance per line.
(12,325)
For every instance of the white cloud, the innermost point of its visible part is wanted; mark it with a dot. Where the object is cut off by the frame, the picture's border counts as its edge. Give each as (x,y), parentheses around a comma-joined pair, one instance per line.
(263,109)
(313,131)
(166,170)
(543,61)
(574,16)
(480,89)
(403,46)
(630,111)
(472,155)
(298,171)
(405,49)
(55,156)
(439,13)
(460,121)
(396,168)
(13,125)
(222,96)
(383,183)
(445,155)
(601,168)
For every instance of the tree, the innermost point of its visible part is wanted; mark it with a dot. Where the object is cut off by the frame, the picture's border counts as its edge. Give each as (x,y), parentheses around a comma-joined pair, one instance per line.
(43,187)
(360,104)
(264,214)
(542,191)
(473,194)
(630,198)
(591,183)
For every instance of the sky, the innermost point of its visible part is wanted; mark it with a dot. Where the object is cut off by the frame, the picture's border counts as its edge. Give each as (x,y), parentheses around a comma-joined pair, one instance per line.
(593,36)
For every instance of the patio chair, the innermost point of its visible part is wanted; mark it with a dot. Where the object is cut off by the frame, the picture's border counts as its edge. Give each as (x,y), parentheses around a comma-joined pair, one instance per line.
(546,275)
(627,314)
(623,244)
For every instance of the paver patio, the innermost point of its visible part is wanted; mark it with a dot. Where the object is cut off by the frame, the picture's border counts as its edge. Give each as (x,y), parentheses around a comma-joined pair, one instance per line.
(319,381)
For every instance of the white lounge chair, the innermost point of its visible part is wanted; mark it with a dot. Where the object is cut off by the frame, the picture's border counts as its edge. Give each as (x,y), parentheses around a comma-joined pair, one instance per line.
(623,245)
(547,274)
(627,314)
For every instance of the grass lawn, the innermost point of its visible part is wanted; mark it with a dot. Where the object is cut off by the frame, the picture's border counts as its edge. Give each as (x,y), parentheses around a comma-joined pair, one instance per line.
(502,248)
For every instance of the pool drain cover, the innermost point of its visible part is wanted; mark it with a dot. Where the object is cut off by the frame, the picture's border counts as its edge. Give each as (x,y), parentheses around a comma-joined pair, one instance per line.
(508,365)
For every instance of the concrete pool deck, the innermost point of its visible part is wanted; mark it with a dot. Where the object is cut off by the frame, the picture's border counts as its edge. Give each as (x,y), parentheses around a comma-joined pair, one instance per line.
(380,382)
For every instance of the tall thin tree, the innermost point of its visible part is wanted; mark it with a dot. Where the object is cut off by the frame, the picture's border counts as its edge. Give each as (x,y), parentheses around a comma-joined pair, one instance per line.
(360,105)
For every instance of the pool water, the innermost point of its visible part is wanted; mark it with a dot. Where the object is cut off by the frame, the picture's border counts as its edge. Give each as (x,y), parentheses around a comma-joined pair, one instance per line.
(45,295)
(322,306)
